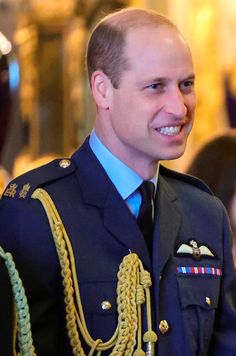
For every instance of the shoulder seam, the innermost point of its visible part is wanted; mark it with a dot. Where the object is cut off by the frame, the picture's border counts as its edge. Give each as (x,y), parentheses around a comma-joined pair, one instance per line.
(198,183)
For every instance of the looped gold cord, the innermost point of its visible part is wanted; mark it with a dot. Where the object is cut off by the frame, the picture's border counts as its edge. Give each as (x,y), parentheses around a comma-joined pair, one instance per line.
(23,329)
(132,291)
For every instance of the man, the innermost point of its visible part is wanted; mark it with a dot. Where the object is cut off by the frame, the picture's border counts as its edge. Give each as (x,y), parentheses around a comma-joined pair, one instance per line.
(82,217)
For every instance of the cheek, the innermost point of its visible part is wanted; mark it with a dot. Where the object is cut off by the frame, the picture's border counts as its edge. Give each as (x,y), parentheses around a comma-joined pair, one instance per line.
(191,104)
(191,111)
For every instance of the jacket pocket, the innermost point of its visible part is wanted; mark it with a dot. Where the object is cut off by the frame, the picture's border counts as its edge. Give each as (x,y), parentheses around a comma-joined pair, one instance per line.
(199,297)
(100,309)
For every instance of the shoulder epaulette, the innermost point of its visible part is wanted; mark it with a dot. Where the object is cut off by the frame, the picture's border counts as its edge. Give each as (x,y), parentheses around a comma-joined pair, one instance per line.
(185,178)
(23,186)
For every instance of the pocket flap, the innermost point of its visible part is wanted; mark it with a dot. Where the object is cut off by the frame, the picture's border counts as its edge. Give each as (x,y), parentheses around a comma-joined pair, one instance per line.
(199,290)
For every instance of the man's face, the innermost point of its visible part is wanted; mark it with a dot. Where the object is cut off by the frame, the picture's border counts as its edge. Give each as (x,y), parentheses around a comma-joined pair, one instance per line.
(151,113)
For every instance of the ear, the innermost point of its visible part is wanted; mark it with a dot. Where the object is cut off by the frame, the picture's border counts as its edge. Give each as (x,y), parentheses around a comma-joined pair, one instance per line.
(100,86)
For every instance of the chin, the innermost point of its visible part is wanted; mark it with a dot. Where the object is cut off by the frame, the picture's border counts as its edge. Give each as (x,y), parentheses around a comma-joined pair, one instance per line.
(174,155)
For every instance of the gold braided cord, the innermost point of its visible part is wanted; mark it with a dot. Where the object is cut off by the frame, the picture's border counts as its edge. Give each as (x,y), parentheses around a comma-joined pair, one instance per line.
(68,271)
(22,329)
(127,313)
(132,290)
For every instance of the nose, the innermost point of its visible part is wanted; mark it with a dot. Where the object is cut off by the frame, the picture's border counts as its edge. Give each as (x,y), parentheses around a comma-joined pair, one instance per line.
(176,105)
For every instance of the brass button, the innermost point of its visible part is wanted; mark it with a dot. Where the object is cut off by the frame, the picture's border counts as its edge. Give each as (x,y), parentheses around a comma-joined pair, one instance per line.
(208,301)
(160,277)
(163,327)
(106,305)
(64,163)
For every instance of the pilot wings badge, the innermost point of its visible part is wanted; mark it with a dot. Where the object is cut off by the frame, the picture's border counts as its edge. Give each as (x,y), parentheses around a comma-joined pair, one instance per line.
(193,249)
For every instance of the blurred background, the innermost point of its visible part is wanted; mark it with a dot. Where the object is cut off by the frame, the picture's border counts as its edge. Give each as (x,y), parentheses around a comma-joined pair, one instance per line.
(45,105)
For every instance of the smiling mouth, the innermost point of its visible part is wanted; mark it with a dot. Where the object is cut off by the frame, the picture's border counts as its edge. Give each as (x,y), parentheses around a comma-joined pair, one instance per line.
(169,130)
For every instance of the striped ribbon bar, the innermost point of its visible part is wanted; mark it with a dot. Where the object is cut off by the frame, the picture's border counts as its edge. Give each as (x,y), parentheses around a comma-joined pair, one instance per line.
(200,270)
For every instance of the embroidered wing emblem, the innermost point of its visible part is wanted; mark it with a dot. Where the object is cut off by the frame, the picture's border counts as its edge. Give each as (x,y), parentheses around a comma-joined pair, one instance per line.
(194,250)
(205,251)
(184,248)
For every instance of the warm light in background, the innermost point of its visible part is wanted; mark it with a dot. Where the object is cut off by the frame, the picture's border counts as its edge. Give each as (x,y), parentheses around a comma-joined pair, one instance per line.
(52,34)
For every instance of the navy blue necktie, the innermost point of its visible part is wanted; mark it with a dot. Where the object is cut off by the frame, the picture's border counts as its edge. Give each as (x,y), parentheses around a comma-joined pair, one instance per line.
(145,220)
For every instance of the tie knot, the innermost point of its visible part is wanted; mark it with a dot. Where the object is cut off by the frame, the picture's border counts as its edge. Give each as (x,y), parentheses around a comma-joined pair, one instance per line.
(147,191)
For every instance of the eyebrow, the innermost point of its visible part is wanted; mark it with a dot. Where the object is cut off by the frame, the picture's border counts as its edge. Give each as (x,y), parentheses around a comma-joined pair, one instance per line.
(191,76)
(162,79)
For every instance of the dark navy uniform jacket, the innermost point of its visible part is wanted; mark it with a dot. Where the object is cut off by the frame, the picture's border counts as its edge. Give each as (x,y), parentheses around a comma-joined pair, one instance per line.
(196,296)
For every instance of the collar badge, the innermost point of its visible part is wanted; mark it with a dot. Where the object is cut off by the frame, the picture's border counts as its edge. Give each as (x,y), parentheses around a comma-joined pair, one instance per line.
(11,191)
(24,191)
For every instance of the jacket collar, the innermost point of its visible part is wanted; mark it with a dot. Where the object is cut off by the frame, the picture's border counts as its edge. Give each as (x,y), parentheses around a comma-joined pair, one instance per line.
(98,190)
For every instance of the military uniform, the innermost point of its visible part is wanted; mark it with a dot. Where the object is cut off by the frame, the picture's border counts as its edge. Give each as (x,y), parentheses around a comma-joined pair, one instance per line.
(193,291)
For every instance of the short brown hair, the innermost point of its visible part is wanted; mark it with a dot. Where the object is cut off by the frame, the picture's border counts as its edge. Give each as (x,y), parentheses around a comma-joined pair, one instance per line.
(105,49)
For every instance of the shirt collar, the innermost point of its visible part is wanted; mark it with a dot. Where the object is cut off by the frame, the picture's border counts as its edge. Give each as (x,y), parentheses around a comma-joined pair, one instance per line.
(123,177)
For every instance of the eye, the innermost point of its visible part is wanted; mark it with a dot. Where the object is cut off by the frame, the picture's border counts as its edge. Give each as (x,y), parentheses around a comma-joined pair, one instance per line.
(187,86)
(155,86)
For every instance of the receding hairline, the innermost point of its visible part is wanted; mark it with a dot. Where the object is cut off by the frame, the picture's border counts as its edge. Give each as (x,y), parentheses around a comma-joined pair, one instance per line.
(132,17)
(105,47)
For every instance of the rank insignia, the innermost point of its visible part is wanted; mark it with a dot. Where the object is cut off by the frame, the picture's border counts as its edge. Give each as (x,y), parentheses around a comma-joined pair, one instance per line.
(11,191)
(193,249)
(24,191)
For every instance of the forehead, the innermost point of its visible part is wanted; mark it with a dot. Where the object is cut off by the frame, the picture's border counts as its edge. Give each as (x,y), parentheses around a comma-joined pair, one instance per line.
(160,47)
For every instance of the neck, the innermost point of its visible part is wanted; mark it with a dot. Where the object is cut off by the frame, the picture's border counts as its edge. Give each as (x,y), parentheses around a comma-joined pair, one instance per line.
(141,164)
(145,170)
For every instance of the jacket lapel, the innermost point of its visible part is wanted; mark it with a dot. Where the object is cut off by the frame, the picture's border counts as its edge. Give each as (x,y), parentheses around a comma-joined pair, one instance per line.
(121,223)
(98,190)
(167,224)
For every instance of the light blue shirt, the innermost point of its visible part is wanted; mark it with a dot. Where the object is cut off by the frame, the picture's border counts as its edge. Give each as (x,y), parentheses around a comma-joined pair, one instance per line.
(123,177)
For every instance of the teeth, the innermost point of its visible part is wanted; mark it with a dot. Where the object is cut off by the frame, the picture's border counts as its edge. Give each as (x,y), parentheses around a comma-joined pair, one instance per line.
(170,130)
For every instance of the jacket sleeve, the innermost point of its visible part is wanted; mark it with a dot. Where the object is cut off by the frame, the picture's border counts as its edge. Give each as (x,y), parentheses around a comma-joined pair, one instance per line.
(224,337)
